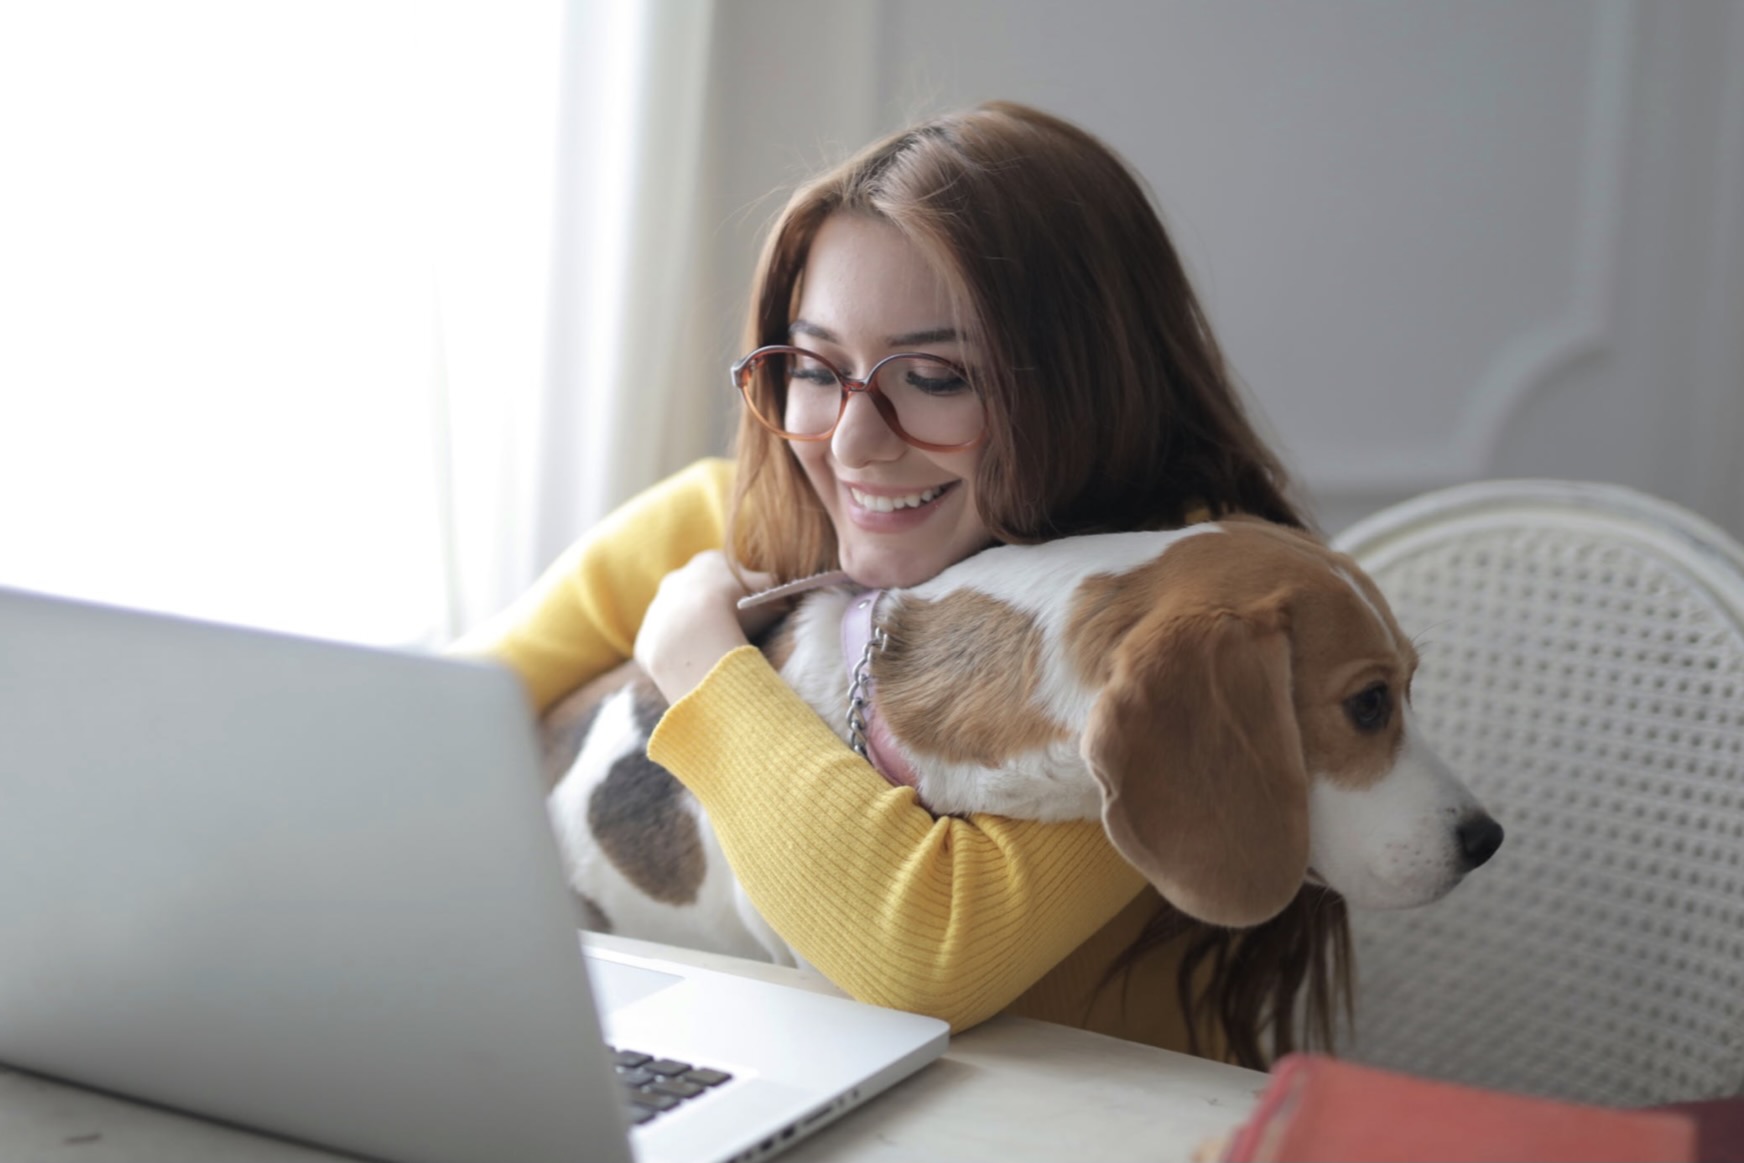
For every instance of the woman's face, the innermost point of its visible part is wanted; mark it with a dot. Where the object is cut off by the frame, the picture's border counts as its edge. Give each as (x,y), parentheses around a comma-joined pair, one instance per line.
(901,515)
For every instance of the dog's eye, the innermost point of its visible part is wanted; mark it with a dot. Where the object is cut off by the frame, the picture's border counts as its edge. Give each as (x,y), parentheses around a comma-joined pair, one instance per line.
(1371,709)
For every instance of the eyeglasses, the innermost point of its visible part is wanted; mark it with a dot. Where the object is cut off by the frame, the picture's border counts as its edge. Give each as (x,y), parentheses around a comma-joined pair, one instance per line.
(925,399)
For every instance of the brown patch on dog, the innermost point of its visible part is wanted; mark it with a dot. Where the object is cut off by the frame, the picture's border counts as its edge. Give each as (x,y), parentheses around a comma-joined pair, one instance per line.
(958,679)
(590,916)
(564,727)
(639,815)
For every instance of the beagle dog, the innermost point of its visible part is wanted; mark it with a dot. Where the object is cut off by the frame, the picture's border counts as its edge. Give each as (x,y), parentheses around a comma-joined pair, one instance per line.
(1231,699)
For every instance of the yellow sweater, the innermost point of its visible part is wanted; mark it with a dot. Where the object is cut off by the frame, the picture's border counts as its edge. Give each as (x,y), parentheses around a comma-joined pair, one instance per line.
(959,918)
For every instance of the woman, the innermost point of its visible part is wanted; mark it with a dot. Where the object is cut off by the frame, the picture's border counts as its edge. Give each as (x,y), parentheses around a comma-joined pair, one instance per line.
(1057,377)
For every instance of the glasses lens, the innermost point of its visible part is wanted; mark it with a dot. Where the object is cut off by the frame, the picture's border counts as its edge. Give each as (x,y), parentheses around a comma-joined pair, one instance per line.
(792,392)
(933,400)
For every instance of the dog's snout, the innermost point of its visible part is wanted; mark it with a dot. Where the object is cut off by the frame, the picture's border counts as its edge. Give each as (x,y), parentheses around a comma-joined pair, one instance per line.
(1479,837)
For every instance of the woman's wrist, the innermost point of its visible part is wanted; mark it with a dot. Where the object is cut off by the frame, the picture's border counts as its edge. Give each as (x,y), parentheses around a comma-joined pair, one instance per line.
(694,622)
(681,667)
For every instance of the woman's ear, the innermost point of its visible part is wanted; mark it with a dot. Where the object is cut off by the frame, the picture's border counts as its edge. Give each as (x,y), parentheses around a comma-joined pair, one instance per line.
(1195,744)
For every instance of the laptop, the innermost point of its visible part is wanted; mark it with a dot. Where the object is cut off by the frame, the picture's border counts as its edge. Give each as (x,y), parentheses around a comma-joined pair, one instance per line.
(311,889)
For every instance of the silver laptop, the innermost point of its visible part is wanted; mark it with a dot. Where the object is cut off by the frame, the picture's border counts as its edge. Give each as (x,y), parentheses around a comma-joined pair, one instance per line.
(311,889)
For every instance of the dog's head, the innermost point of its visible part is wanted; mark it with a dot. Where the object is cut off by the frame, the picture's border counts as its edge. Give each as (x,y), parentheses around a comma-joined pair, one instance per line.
(1254,729)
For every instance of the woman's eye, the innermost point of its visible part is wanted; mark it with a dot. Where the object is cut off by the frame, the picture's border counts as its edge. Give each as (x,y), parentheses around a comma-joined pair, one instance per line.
(812,374)
(1370,710)
(941,385)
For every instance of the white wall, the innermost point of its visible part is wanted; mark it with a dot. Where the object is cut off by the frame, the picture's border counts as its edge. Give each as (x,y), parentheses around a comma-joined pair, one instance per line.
(1441,240)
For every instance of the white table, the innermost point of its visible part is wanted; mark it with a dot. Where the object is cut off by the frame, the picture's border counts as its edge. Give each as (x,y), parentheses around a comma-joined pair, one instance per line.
(1010,1089)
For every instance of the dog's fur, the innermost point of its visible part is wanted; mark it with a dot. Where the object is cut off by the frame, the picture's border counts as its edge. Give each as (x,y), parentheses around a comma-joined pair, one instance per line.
(1232,699)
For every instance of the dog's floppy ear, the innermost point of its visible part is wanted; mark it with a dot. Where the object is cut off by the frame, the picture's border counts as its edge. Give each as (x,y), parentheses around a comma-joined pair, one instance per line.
(1195,743)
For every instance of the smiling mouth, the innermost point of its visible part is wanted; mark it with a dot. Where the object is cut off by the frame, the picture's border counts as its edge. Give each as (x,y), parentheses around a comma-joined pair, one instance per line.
(883,504)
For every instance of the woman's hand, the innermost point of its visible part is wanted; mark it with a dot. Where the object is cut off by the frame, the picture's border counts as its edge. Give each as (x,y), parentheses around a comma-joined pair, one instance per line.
(694,621)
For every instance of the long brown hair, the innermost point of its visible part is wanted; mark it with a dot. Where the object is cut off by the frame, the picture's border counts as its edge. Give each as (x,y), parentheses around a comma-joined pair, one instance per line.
(1242,988)
(1109,403)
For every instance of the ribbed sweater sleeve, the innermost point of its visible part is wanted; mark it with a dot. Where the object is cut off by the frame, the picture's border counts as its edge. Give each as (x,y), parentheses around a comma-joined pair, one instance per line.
(951,917)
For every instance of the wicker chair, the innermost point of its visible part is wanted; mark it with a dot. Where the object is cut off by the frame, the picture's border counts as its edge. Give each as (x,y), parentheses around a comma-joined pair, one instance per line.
(1583,669)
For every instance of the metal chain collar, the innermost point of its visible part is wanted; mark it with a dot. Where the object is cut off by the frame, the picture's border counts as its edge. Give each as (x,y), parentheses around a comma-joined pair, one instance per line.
(860,692)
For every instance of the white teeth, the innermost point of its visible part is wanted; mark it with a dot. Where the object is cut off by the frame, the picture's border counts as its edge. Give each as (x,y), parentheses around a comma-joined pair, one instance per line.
(890,504)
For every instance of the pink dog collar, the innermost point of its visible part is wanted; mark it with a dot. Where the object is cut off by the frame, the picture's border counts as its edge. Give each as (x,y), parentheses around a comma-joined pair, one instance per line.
(881,750)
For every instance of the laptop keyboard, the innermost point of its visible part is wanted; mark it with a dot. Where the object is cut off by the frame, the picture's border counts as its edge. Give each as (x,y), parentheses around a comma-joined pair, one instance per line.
(653,1086)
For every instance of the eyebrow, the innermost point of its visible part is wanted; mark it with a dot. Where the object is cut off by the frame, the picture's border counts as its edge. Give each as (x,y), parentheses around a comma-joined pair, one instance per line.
(908,339)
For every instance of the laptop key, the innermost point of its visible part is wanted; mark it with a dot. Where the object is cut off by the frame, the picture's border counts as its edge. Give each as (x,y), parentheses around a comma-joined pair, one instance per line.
(706,1076)
(655,1102)
(628,1058)
(636,1077)
(666,1066)
(677,1088)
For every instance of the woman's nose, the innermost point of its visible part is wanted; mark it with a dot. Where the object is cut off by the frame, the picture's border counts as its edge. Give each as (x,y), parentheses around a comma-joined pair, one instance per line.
(863,437)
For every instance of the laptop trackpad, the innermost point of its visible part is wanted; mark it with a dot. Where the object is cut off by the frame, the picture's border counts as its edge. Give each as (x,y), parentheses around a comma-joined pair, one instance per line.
(616,985)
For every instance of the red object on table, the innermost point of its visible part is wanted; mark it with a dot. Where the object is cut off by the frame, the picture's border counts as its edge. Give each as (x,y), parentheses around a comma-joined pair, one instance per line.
(1320,1108)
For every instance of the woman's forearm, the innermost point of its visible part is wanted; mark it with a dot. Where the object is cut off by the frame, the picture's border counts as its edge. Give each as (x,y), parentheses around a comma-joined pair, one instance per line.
(950,917)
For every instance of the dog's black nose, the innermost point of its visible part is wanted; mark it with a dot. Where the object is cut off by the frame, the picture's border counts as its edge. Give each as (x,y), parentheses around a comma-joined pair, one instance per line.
(1479,838)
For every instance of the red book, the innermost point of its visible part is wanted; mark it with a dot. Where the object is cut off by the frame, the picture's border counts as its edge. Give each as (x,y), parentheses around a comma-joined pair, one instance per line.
(1319,1108)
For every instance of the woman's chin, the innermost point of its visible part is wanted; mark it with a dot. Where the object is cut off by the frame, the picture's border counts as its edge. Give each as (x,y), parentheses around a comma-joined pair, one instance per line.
(882,576)
(888,560)
(880,571)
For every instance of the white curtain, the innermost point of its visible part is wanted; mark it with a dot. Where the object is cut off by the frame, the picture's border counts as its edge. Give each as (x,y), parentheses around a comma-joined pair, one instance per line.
(496,110)
(617,407)
(226,231)
(346,317)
